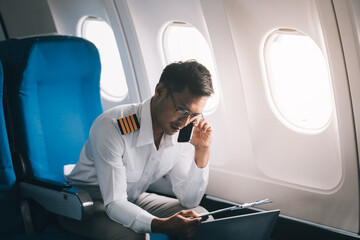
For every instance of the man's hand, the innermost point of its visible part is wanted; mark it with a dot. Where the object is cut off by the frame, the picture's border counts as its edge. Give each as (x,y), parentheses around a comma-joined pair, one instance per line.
(178,224)
(202,135)
(201,139)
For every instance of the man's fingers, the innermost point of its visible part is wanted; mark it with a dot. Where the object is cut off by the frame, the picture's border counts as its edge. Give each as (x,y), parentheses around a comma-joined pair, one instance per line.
(188,213)
(204,126)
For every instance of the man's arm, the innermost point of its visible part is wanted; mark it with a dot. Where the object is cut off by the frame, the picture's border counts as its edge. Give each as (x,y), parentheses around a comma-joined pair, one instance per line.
(107,148)
(189,177)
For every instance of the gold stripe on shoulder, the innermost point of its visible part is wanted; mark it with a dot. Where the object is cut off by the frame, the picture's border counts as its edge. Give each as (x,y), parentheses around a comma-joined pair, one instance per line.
(128,124)
(133,122)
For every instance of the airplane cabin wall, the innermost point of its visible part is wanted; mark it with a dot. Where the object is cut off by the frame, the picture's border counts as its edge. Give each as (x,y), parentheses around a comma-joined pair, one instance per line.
(348,18)
(314,171)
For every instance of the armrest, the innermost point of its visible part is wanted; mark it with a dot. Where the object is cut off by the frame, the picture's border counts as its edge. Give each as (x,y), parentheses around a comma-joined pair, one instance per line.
(58,198)
(47,183)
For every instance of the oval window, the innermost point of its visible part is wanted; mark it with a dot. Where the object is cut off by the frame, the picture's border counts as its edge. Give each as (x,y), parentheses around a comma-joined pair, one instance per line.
(113,82)
(298,80)
(181,42)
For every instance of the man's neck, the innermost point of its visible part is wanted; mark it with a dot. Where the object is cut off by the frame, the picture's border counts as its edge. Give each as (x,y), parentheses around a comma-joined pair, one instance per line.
(157,139)
(157,131)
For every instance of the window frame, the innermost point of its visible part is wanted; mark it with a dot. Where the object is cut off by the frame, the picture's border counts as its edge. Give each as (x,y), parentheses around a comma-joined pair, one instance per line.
(271,96)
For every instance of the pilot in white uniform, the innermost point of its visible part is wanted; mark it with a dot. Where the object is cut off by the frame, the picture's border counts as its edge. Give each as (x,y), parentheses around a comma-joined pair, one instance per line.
(132,146)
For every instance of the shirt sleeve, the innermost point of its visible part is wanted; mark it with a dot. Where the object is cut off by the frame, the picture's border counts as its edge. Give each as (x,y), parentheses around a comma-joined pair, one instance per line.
(188,181)
(108,148)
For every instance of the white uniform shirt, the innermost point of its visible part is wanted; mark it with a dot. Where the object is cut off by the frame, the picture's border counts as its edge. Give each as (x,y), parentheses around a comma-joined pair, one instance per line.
(123,166)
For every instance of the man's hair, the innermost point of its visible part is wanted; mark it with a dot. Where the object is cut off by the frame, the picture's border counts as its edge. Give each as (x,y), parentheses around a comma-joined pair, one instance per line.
(190,74)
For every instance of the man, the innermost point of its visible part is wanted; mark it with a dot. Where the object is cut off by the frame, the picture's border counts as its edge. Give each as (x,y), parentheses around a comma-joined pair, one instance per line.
(132,146)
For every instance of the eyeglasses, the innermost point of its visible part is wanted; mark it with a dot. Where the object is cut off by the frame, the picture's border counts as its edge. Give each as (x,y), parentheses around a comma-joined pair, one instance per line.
(185,114)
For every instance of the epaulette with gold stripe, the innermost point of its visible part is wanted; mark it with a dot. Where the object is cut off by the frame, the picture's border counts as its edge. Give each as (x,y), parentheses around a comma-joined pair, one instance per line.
(128,124)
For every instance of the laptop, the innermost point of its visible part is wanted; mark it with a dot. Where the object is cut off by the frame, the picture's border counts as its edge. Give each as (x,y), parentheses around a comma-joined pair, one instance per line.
(255,226)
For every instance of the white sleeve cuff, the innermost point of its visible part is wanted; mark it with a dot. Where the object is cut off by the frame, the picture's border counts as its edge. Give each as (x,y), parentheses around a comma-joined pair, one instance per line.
(199,175)
(142,222)
(130,216)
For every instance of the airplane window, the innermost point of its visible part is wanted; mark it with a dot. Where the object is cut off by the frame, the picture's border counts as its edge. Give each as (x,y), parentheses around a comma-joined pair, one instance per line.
(113,82)
(298,80)
(182,42)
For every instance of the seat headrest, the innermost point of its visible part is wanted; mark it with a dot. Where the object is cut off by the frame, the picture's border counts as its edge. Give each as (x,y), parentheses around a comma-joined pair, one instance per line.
(48,58)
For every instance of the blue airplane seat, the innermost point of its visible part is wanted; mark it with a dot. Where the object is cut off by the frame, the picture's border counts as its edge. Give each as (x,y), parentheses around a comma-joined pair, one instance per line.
(53,94)
(11,220)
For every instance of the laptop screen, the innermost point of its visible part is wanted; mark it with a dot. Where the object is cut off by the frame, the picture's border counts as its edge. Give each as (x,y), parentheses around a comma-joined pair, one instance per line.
(255,226)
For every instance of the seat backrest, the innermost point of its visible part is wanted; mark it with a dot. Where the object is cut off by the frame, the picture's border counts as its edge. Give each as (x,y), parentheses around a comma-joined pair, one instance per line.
(53,94)
(10,214)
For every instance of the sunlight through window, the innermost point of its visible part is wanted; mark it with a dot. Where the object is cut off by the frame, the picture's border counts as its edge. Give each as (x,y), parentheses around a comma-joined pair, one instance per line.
(298,79)
(113,82)
(182,42)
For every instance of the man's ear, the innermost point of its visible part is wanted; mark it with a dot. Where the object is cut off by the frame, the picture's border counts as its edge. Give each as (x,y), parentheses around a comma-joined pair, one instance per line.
(160,90)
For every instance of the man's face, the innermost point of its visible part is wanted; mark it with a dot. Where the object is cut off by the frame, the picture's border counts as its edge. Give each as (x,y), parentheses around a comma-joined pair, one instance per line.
(170,102)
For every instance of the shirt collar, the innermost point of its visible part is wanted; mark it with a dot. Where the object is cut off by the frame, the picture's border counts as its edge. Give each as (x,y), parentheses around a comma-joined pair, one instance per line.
(146,135)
